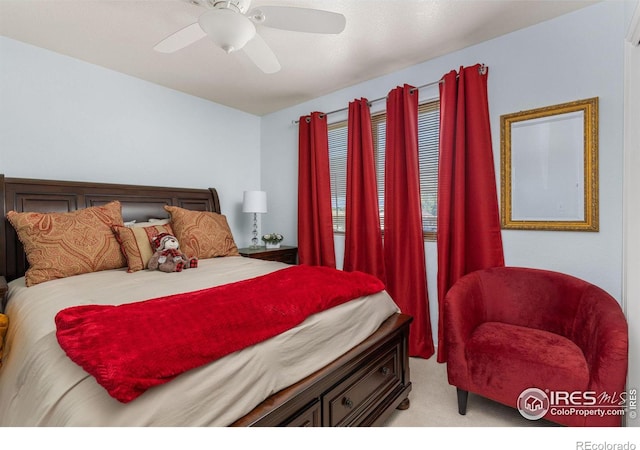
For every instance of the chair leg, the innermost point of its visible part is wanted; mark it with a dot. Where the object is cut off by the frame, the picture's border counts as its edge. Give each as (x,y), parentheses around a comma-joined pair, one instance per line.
(462,401)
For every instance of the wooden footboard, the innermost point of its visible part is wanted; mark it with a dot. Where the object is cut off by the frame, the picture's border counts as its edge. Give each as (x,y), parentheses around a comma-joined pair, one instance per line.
(361,388)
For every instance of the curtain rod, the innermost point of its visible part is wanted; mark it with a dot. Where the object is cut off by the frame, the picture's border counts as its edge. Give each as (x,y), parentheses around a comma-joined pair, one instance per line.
(377,99)
(482,69)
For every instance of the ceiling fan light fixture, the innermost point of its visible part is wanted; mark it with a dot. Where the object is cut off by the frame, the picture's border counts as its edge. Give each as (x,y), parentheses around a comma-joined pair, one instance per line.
(227,29)
(230,25)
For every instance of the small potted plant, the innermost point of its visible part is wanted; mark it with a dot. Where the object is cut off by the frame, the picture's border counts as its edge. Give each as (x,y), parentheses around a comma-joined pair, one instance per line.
(272,240)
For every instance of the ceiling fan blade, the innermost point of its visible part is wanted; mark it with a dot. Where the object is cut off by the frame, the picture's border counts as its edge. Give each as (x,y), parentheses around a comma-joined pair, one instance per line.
(299,19)
(261,54)
(180,39)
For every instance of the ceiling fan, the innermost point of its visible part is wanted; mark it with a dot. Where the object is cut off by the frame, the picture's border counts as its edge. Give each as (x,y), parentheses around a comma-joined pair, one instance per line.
(231,26)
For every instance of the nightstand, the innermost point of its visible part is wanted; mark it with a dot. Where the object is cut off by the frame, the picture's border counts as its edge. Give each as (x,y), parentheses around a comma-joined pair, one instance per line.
(285,254)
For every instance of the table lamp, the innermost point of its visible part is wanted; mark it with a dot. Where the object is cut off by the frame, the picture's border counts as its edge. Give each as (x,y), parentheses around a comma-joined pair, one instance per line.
(254,202)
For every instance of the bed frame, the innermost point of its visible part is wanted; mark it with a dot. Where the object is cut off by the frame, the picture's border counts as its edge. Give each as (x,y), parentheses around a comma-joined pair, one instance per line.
(361,388)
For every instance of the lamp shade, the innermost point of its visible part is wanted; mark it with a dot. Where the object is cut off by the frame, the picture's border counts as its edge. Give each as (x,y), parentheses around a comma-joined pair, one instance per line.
(254,202)
(227,28)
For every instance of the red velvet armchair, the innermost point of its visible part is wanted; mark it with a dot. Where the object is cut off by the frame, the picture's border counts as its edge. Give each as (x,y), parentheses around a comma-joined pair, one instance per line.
(508,329)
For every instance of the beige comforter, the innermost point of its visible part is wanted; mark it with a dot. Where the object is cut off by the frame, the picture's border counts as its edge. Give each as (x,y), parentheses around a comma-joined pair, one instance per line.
(41,386)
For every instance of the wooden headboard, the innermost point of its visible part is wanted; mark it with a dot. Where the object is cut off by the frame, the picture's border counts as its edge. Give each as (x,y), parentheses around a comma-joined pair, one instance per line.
(139,203)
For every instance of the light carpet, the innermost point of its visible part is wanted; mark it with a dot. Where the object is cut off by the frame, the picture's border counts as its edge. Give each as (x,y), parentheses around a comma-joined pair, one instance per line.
(434,403)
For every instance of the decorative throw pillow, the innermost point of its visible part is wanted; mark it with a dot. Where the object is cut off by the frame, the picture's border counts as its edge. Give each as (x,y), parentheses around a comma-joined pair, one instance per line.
(202,234)
(59,245)
(135,243)
(4,324)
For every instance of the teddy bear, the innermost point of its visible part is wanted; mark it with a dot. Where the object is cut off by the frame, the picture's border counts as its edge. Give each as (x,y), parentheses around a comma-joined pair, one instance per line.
(167,256)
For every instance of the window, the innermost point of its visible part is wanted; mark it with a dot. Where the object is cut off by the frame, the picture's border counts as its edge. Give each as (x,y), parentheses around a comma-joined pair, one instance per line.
(428,136)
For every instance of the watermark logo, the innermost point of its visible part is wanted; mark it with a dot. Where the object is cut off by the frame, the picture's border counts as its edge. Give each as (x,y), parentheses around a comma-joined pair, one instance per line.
(533,403)
(604,445)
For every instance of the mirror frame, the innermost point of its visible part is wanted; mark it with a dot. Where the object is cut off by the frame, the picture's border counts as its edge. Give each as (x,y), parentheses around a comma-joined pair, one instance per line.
(589,109)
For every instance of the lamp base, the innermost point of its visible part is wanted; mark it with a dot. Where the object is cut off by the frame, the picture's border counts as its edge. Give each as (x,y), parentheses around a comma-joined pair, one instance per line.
(254,239)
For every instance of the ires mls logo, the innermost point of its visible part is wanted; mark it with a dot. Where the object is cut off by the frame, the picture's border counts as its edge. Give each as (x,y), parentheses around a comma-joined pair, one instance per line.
(534,403)
(633,403)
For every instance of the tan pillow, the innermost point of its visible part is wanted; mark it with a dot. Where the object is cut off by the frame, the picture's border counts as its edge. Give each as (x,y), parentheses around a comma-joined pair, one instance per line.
(135,243)
(4,324)
(202,234)
(59,245)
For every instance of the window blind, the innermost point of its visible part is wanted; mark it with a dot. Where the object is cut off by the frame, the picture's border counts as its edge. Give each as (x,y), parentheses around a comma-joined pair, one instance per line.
(428,139)
(338,170)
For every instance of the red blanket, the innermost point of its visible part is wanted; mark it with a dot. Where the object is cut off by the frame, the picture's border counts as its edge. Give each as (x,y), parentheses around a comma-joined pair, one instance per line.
(132,347)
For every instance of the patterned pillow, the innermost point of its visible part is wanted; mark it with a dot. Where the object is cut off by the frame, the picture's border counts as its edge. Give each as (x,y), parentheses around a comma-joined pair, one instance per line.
(135,243)
(202,234)
(59,245)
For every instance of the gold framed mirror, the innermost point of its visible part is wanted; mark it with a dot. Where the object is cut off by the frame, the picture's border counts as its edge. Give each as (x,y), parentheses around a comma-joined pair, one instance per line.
(549,168)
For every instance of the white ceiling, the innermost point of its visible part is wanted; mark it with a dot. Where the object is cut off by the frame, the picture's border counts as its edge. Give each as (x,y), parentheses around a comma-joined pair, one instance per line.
(381,36)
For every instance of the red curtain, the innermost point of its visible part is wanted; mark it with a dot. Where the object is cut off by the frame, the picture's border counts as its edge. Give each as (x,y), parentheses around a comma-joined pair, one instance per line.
(403,237)
(469,235)
(363,237)
(315,224)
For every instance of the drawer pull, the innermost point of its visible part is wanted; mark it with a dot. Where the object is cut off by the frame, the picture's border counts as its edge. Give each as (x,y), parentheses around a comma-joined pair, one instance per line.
(347,402)
(385,371)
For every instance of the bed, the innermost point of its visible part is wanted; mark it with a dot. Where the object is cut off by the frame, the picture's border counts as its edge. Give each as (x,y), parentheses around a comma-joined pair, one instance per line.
(346,366)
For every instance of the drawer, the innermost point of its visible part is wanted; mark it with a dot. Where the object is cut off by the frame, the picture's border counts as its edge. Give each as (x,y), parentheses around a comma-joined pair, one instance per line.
(288,258)
(286,254)
(309,417)
(362,391)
